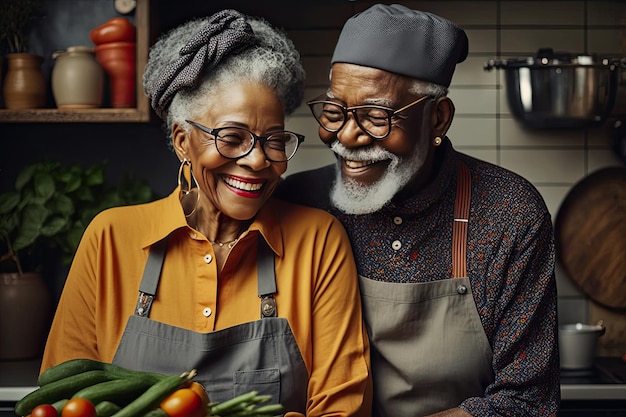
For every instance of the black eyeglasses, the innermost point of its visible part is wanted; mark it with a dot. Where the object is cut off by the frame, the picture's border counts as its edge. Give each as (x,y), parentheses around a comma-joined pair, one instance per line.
(237,142)
(375,120)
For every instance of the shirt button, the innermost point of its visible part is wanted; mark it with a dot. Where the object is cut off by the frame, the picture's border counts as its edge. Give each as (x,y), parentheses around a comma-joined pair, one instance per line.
(208,258)
(461,289)
(206,312)
(396,245)
(397,220)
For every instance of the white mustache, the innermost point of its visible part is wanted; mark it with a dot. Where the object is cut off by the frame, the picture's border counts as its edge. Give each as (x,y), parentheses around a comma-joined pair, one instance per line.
(370,155)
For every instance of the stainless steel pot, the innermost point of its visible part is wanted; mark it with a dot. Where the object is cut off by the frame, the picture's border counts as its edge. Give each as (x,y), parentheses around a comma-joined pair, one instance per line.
(577,344)
(560,90)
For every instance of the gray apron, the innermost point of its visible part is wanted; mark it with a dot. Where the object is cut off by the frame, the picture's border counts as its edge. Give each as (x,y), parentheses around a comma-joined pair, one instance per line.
(428,346)
(262,355)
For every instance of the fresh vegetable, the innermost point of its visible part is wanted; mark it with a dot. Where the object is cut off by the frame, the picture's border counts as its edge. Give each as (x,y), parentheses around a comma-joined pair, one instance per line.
(58,405)
(183,402)
(58,390)
(106,408)
(78,407)
(44,410)
(245,405)
(153,396)
(198,389)
(119,391)
(76,366)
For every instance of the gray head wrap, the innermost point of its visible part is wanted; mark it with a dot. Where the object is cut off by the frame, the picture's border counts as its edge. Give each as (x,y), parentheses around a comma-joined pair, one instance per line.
(226,33)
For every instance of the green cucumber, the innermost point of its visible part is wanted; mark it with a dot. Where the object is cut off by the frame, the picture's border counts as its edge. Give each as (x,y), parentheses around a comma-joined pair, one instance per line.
(154,395)
(157,412)
(80,365)
(119,391)
(68,368)
(58,405)
(58,390)
(106,408)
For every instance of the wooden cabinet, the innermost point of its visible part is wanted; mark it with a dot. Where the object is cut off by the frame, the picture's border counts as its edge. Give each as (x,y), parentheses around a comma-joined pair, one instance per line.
(141,112)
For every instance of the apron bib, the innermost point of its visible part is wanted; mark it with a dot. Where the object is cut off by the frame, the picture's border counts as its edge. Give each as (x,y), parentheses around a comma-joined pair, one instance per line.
(418,330)
(262,355)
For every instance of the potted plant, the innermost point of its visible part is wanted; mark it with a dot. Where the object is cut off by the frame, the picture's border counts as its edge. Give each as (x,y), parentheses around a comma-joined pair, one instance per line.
(24,84)
(44,217)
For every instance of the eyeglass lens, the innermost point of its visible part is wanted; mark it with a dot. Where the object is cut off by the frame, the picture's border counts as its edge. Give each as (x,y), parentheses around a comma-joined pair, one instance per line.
(235,143)
(374,120)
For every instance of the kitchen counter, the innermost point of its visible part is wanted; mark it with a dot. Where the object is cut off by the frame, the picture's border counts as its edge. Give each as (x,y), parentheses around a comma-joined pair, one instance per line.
(18,378)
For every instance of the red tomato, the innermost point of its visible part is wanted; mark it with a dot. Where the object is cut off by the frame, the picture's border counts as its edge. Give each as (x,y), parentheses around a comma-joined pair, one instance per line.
(78,407)
(183,402)
(44,410)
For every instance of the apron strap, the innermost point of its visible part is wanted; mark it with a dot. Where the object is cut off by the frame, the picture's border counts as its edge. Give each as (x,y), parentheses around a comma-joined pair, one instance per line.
(461,219)
(266,278)
(150,278)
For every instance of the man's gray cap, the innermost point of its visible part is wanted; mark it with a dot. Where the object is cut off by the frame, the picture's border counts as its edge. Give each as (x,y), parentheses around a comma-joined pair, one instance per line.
(397,39)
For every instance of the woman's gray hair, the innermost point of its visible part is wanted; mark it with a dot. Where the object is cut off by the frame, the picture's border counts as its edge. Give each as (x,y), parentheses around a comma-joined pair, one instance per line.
(189,63)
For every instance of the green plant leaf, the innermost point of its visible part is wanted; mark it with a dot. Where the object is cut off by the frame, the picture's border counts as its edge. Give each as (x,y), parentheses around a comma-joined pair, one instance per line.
(53,226)
(44,185)
(74,181)
(30,226)
(9,201)
(95,175)
(61,204)
(24,176)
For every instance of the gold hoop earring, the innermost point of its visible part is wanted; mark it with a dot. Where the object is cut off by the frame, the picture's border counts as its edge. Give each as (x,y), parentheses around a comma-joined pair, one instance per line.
(437,141)
(185,182)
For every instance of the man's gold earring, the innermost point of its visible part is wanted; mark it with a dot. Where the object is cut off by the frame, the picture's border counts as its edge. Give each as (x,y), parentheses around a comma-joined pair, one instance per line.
(437,141)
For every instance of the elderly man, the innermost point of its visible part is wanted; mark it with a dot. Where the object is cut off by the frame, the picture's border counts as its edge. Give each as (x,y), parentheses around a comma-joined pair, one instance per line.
(455,255)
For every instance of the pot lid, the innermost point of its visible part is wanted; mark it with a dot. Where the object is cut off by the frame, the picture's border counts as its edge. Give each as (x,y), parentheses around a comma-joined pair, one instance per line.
(590,232)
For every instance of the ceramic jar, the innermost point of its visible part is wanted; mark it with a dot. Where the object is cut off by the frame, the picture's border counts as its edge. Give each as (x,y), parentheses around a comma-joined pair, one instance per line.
(77,79)
(25,315)
(24,83)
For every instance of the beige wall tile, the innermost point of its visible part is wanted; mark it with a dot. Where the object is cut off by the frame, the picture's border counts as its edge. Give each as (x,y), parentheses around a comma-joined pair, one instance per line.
(310,158)
(528,41)
(461,12)
(474,100)
(489,155)
(472,72)
(473,131)
(545,166)
(513,133)
(482,41)
(553,13)
(607,13)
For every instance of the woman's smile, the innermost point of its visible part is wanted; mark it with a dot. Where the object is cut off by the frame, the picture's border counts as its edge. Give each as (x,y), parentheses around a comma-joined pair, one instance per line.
(245,187)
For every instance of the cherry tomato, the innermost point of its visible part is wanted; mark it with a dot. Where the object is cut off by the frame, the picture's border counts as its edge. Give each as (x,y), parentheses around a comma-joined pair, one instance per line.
(78,407)
(44,410)
(183,402)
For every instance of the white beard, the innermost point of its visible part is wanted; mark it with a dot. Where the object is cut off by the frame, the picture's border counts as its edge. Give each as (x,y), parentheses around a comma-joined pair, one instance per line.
(352,197)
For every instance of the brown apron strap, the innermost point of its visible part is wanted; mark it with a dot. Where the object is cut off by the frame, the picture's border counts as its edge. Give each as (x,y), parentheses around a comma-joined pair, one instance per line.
(461,219)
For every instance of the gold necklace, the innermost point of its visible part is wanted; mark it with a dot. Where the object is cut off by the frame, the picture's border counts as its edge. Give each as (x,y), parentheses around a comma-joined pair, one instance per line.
(229,244)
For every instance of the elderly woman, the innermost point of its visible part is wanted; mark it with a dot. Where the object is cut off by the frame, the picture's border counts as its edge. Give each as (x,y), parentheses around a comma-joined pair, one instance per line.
(254,293)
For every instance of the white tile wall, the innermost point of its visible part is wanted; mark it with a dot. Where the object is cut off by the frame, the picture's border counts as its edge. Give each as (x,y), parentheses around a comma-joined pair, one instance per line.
(553,160)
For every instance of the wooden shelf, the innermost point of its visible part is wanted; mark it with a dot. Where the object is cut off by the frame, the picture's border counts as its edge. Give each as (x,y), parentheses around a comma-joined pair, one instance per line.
(140,113)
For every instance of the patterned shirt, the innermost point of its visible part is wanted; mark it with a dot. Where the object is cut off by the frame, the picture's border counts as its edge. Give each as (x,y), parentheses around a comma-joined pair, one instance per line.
(510,264)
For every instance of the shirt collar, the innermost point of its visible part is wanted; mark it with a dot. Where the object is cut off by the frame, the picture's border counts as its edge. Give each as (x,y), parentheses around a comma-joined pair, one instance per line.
(172,217)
